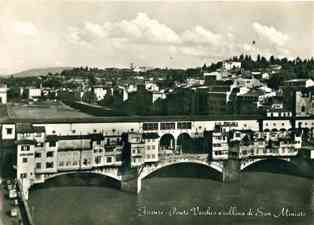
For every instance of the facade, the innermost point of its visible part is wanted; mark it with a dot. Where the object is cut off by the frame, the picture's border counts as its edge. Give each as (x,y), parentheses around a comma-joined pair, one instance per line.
(137,149)
(231,65)
(304,102)
(40,155)
(254,144)
(100,92)
(151,141)
(34,93)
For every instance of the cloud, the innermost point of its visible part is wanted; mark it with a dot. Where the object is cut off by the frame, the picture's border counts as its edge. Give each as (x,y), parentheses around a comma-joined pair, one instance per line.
(271,34)
(147,29)
(24,28)
(141,29)
(96,29)
(201,35)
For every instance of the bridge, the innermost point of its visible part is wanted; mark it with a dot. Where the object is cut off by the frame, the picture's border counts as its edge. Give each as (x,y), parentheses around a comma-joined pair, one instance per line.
(132,182)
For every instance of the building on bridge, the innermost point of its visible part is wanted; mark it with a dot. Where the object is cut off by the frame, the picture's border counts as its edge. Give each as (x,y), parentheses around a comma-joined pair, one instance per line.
(40,155)
(254,144)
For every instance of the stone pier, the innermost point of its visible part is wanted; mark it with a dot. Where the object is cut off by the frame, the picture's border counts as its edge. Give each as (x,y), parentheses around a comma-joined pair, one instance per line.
(131,182)
(231,170)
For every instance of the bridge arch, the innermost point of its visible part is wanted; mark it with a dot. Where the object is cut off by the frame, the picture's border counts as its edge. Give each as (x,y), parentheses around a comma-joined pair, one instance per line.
(108,174)
(245,164)
(146,171)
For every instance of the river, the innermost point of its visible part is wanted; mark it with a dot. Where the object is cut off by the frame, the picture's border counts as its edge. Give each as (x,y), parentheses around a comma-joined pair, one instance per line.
(260,198)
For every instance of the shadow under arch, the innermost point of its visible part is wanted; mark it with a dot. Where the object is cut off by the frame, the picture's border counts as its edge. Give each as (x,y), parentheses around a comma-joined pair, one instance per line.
(78,179)
(278,166)
(186,170)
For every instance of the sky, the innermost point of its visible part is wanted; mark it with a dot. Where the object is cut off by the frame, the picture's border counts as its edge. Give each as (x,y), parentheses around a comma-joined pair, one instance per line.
(173,34)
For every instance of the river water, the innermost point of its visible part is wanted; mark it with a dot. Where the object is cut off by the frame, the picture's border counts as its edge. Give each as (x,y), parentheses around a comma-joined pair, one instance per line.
(261,198)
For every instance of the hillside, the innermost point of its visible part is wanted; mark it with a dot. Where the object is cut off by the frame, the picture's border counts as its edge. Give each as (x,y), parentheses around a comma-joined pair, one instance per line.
(39,71)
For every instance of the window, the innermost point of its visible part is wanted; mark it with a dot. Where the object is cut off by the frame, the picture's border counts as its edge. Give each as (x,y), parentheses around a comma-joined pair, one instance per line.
(85,162)
(52,144)
(303,109)
(24,160)
(153,147)
(37,155)
(150,126)
(184,125)
(75,163)
(25,148)
(73,131)
(109,159)
(167,126)
(38,135)
(118,158)
(38,165)
(53,131)
(61,164)
(98,159)
(49,154)
(23,175)
(9,130)
(148,147)
(49,165)
(98,142)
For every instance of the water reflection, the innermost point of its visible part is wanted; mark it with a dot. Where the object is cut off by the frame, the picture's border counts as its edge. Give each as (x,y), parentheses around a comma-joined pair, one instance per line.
(259,196)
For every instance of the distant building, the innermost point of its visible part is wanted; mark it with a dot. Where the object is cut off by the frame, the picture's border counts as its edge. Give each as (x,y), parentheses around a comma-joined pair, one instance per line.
(297,96)
(3,94)
(100,91)
(211,78)
(231,65)
(34,93)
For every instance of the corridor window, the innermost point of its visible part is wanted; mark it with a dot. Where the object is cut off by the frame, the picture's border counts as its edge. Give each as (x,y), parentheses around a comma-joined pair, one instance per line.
(184,125)
(150,126)
(167,126)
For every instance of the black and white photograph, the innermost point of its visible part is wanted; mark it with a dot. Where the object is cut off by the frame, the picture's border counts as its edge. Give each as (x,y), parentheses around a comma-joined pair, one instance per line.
(179,112)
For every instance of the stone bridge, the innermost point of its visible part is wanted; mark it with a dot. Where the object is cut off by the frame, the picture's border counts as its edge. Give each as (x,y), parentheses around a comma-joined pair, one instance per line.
(113,173)
(230,170)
